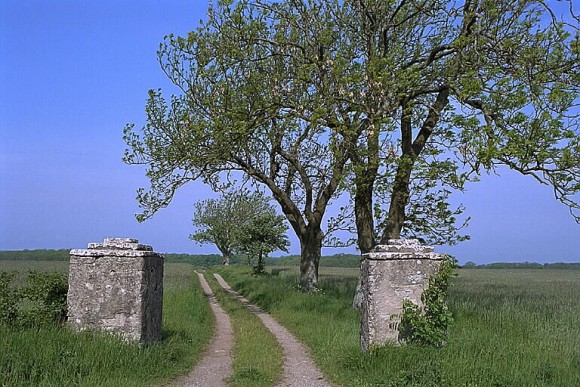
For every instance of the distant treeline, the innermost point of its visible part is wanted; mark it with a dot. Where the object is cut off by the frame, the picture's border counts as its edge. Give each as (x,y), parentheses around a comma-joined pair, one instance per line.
(337,260)
(64,255)
(523,265)
(35,255)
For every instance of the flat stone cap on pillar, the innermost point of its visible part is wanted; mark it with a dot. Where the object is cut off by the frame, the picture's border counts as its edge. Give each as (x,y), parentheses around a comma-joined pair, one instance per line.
(402,249)
(119,247)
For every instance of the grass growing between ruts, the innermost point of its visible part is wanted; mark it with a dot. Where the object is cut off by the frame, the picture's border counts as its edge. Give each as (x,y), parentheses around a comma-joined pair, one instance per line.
(257,357)
(513,328)
(58,356)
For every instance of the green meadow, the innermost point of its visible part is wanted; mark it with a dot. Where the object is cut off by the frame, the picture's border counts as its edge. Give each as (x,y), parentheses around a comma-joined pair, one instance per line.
(513,327)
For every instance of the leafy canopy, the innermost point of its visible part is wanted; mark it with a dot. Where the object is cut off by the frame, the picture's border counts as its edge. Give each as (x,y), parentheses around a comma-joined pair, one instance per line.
(403,100)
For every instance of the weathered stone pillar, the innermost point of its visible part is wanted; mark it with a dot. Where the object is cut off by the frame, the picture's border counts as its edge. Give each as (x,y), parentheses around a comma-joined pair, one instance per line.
(391,274)
(117,286)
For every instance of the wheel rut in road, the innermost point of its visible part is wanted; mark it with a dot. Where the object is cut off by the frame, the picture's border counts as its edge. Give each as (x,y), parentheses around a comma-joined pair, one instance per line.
(299,368)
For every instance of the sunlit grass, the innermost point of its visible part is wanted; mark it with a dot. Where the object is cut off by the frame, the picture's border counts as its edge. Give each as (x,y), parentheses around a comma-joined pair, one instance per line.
(513,328)
(59,356)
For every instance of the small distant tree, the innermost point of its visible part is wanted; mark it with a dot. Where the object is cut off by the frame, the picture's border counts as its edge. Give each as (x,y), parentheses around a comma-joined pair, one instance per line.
(220,221)
(263,234)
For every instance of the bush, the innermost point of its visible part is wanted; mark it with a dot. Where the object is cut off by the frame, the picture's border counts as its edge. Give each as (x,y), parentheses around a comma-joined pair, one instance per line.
(40,302)
(429,325)
(8,298)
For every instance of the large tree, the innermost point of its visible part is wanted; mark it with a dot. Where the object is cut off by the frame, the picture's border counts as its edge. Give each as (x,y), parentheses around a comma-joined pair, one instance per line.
(397,101)
(463,87)
(256,97)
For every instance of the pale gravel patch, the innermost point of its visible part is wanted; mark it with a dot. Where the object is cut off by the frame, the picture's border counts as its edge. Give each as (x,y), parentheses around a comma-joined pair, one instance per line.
(299,368)
(215,367)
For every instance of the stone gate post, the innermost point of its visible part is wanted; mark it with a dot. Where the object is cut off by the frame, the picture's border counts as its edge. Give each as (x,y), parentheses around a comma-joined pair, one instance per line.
(391,274)
(117,286)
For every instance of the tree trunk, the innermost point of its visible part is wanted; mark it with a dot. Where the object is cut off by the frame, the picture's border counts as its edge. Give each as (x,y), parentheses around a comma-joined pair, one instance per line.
(310,252)
(366,173)
(401,186)
(399,200)
(226,257)
(259,269)
(395,219)
(363,209)
(411,150)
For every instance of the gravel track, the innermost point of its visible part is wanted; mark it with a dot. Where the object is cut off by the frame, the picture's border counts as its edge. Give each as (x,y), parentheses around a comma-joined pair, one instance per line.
(299,368)
(215,367)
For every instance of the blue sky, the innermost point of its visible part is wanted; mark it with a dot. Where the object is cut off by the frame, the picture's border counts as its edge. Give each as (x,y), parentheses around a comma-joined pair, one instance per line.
(73,73)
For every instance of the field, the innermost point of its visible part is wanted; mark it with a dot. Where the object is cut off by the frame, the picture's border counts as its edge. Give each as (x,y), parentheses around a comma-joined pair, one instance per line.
(35,357)
(513,328)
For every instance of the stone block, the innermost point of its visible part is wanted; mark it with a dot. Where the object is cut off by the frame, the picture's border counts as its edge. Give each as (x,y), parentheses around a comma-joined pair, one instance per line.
(391,274)
(117,286)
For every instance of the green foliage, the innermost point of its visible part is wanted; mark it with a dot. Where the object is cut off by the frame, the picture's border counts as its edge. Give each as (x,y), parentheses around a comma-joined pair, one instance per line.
(263,234)
(39,302)
(314,98)
(8,299)
(46,292)
(196,260)
(242,222)
(429,324)
(266,111)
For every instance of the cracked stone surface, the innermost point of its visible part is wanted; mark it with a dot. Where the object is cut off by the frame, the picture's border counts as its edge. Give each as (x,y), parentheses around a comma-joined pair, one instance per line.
(117,286)
(391,274)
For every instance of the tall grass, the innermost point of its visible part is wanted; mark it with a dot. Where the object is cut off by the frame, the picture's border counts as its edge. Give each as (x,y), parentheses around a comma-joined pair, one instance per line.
(525,322)
(513,328)
(58,356)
